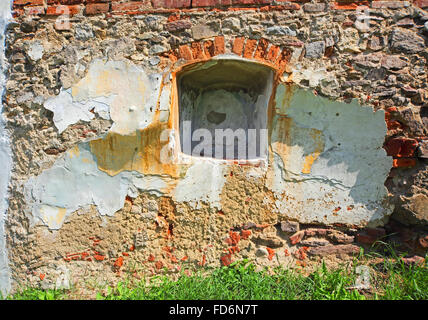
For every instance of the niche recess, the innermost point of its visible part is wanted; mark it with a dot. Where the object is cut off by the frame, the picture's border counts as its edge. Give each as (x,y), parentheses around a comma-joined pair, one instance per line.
(224,93)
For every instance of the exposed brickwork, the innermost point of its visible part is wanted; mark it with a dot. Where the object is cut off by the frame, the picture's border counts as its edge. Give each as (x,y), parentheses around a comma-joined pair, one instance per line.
(142,7)
(96,8)
(63,9)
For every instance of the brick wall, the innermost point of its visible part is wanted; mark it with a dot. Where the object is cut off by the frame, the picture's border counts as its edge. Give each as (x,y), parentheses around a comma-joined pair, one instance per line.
(114,7)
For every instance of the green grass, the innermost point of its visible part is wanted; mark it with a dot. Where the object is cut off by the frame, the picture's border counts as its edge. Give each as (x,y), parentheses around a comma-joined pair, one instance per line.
(390,280)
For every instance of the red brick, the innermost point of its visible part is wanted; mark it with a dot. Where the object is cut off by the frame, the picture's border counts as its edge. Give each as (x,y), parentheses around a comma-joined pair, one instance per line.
(285,5)
(61,9)
(414,260)
(209,48)
(226,259)
(185,52)
(17,12)
(252,2)
(370,235)
(178,25)
(401,147)
(273,53)
(34,11)
(301,253)
(238,45)
(334,249)
(224,3)
(96,8)
(349,5)
(128,6)
(219,45)
(297,237)
(28,2)
(172,4)
(271,253)
(197,51)
(261,49)
(245,234)
(284,58)
(394,124)
(404,163)
(312,232)
(211,3)
(421,3)
(387,4)
(250,46)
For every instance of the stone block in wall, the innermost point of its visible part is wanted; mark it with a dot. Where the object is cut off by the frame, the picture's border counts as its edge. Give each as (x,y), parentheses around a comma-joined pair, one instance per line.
(423,149)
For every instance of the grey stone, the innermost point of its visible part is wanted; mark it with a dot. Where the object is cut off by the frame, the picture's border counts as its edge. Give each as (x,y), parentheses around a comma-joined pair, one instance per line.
(28,26)
(157,49)
(261,252)
(315,242)
(281,31)
(83,32)
(423,149)
(140,239)
(406,41)
(232,23)
(413,210)
(154,61)
(314,7)
(376,43)
(268,241)
(315,49)
(290,226)
(367,60)
(393,62)
(376,74)
(178,25)
(202,31)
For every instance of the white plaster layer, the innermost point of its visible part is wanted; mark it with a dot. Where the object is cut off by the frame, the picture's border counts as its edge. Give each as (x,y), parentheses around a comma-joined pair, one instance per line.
(75,182)
(5,154)
(345,181)
(114,89)
(203,182)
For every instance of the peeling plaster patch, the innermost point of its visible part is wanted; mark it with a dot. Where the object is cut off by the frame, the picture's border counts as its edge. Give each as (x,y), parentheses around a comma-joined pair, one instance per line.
(314,74)
(204,182)
(67,112)
(5,155)
(75,182)
(117,88)
(151,184)
(350,166)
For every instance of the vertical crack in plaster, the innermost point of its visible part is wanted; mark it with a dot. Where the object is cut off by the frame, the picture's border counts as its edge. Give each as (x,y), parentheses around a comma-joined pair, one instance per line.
(5,153)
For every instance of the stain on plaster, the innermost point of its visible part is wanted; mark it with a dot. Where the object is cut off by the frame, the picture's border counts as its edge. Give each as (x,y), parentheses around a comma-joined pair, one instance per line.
(328,155)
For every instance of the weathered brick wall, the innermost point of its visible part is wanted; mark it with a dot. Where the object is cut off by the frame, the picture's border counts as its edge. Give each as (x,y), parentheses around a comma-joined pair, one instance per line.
(321,192)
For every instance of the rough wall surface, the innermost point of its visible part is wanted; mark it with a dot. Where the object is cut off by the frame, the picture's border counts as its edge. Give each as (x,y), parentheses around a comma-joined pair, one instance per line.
(100,187)
(5,155)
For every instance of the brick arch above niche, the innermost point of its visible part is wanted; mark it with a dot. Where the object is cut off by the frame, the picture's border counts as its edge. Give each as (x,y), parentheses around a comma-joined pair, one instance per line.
(257,50)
